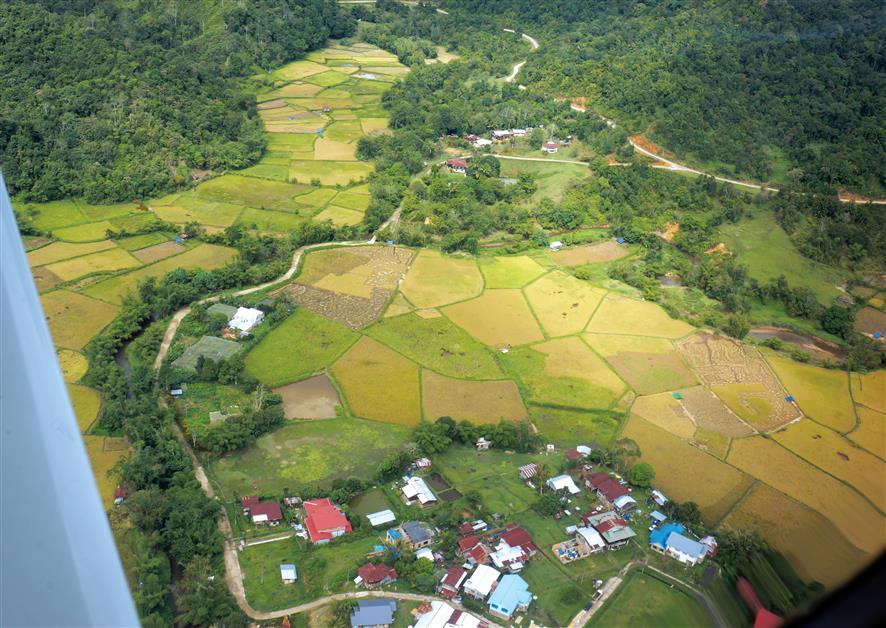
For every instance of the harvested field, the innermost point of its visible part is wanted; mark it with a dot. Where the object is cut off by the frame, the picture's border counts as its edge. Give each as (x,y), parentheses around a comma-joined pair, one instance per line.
(106,261)
(665,412)
(509,272)
(260,193)
(838,456)
(190,208)
(713,443)
(622,315)
(302,345)
(649,365)
(208,347)
(74,319)
(355,312)
(328,78)
(58,251)
(764,459)
(710,413)
(340,216)
(479,402)
(331,150)
(797,531)
(686,473)
(498,318)
(299,70)
(158,251)
(822,394)
(329,172)
(590,254)
(398,305)
(379,384)
(562,303)
(870,321)
(374,125)
(88,232)
(741,378)
(73,364)
(45,279)
(356,270)
(313,398)
(429,313)
(871,431)
(103,454)
(435,279)
(438,344)
(86,403)
(870,389)
(344,133)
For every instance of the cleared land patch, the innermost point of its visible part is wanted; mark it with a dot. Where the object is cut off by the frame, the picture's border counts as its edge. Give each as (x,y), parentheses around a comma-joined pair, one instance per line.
(312,398)
(106,261)
(623,315)
(379,384)
(208,347)
(88,232)
(562,303)
(434,280)
(686,473)
(499,318)
(151,254)
(74,319)
(509,272)
(302,345)
(73,364)
(649,365)
(190,208)
(646,601)
(233,188)
(665,412)
(476,401)
(871,431)
(870,321)
(58,251)
(710,413)
(778,467)
(589,254)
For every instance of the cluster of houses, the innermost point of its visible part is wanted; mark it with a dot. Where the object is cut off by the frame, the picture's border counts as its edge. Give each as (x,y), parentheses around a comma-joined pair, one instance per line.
(323,520)
(241,320)
(503,135)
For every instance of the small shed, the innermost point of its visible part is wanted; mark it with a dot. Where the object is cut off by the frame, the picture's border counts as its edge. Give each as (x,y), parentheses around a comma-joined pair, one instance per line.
(381,517)
(556,245)
(288,573)
(657,517)
(483,444)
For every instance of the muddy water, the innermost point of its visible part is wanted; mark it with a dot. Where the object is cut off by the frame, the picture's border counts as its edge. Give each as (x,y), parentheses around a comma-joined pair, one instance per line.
(314,398)
(814,346)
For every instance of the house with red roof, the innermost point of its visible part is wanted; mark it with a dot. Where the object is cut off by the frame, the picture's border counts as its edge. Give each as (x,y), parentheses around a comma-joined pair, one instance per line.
(248,503)
(266,512)
(452,581)
(457,164)
(573,454)
(376,574)
(550,147)
(607,488)
(324,521)
(467,543)
(515,536)
(514,549)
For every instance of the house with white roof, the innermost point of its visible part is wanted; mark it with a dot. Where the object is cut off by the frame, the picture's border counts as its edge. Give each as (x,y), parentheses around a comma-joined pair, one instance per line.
(246,318)
(416,491)
(442,615)
(381,517)
(684,549)
(624,503)
(481,582)
(288,573)
(590,539)
(563,482)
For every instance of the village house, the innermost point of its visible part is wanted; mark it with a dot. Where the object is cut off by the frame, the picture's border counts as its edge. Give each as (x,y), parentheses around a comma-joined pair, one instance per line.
(452,581)
(324,521)
(511,596)
(606,487)
(474,550)
(422,464)
(381,517)
(458,165)
(529,471)
(437,614)
(481,582)
(614,530)
(373,613)
(624,504)
(374,575)
(500,135)
(519,132)
(711,544)
(288,573)
(469,527)
(556,245)
(417,534)
(514,548)
(586,541)
(590,539)
(563,483)
(669,540)
(482,444)
(550,148)
(261,512)
(415,490)
(245,319)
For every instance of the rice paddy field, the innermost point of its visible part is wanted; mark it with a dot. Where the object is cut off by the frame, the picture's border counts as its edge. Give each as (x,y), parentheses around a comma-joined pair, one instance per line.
(436,279)
(478,402)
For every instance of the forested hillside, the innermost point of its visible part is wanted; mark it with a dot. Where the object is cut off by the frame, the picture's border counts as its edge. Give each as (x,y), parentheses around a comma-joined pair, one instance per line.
(784,90)
(118,101)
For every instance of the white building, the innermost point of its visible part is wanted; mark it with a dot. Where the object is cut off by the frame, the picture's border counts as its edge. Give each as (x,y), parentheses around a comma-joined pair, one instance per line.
(442,615)
(624,503)
(288,573)
(556,245)
(246,318)
(481,582)
(562,482)
(591,539)
(416,490)
(381,517)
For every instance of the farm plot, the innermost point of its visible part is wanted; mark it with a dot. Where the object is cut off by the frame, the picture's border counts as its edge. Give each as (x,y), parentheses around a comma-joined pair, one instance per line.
(74,319)
(822,394)
(665,412)
(73,364)
(58,251)
(741,378)
(144,240)
(232,188)
(329,172)
(871,431)
(151,254)
(56,214)
(796,531)
(302,345)
(104,452)
(299,70)
(44,279)
(374,125)
(88,232)
(566,427)
(209,348)
(316,198)
(711,414)
(340,216)
(509,272)
(434,280)
(398,305)
(837,456)
(623,315)
(351,200)
(202,399)
(312,398)
(870,389)
(498,318)
(590,254)
(190,208)
(438,344)
(564,372)
(764,459)
(379,384)
(562,303)
(476,401)
(332,150)
(269,221)
(649,365)
(869,321)
(86,403)
(307,453)
(106,261)
(686,473)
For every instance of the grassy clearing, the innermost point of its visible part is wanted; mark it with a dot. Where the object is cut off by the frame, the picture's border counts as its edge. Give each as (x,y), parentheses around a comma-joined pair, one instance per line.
(86,402)
(778,467)
(74,319)
(110,260)
(329,172)
(478,402)
(838,456)
(871,431)
(568,427)
(133,243)
(562,303)
(89,232)
(642,600)
(73,364)
(822,394)
(302,345)
(202,398)
(435,280)
(267,220)
(104,452)
(205,256)
(552,179)
(498,318)
(685,473)
(649,365)
(438,344)
(340,216)
(870,389)
(509,272)
(762,245)
(379,384)
(796,531)
(190,208)
(307,453)
(621,315)
(58,251)
(263,194)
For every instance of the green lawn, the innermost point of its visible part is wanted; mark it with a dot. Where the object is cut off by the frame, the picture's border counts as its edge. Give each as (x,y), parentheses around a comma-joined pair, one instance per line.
(552,179)
(302,345)
(202,398)
(645,601)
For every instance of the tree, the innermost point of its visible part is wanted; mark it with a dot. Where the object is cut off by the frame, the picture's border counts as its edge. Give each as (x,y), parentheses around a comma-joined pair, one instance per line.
(202,598)
(641,475)
(431,438)
(486,166)
(837,320)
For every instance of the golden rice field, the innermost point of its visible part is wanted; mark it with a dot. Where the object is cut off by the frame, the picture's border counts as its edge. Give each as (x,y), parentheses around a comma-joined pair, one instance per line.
(498,318)
(73,364)
(562,303)
(109,260)
(58,251)
(871,431)
(509,272)
(74,319)
(665,412)
(649,365)
(606,251)
(104,452)
(486,401)
(398,305)
(869,389)
(86,402)
(623,315)
(435,279)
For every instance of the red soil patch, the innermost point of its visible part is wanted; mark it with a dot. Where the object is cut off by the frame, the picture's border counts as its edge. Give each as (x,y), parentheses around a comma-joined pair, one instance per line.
(271,104)
(670,231)
(645,144)
(719,249)
(581,102)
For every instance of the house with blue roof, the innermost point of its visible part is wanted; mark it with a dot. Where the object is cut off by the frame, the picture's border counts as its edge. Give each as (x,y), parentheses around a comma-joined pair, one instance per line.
(511,596)
(373,613)
(669,539)
(658,539)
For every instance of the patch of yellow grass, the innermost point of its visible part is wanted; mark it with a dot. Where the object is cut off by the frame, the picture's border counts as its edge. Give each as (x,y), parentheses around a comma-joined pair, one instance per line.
(299,69)
(767,461)
(102,460)
(435,279)
(822,394)
(563,303)
(570,357)
(752,402)
(73,364)
(838,456)
(86,402)
(398,305)
(810,542)
(63,250)
(103,261)
(496,318)
(374,125)
(871,431)
(74,319)
(509,272)
(665,412)
(623,315)
(340,216)
(477,401)
(329,150)
(686,473)
(870,389)
(379,383)
(590,253)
